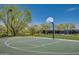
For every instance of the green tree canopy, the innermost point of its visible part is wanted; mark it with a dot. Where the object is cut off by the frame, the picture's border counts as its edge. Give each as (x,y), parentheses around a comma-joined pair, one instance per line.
(14,19)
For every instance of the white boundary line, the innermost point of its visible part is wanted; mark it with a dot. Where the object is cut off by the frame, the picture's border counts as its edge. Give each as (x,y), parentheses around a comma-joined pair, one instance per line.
(27,44)
(55,38)
(8,45)
(38,39)
(69,40)
(43,45)
(48,38)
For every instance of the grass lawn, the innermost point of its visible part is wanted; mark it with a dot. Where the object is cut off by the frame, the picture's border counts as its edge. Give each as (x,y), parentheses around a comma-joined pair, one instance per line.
(70,37)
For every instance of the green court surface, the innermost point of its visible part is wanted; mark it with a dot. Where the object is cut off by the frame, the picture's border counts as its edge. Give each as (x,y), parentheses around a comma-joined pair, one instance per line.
(38,46)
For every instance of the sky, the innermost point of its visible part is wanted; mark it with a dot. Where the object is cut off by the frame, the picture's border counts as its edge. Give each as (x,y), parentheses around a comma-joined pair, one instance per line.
(62,13)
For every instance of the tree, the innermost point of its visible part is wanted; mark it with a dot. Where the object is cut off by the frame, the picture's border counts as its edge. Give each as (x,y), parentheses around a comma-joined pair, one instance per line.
(70,27)
(14,19)
(45,26)
(34,29)
(2,30)
(65,27)
(60,27)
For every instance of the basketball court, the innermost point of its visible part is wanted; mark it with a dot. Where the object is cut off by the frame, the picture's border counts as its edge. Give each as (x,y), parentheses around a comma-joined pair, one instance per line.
(38,46)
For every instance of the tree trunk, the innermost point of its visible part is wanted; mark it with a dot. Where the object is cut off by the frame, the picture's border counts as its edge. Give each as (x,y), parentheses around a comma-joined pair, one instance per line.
(13,31)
